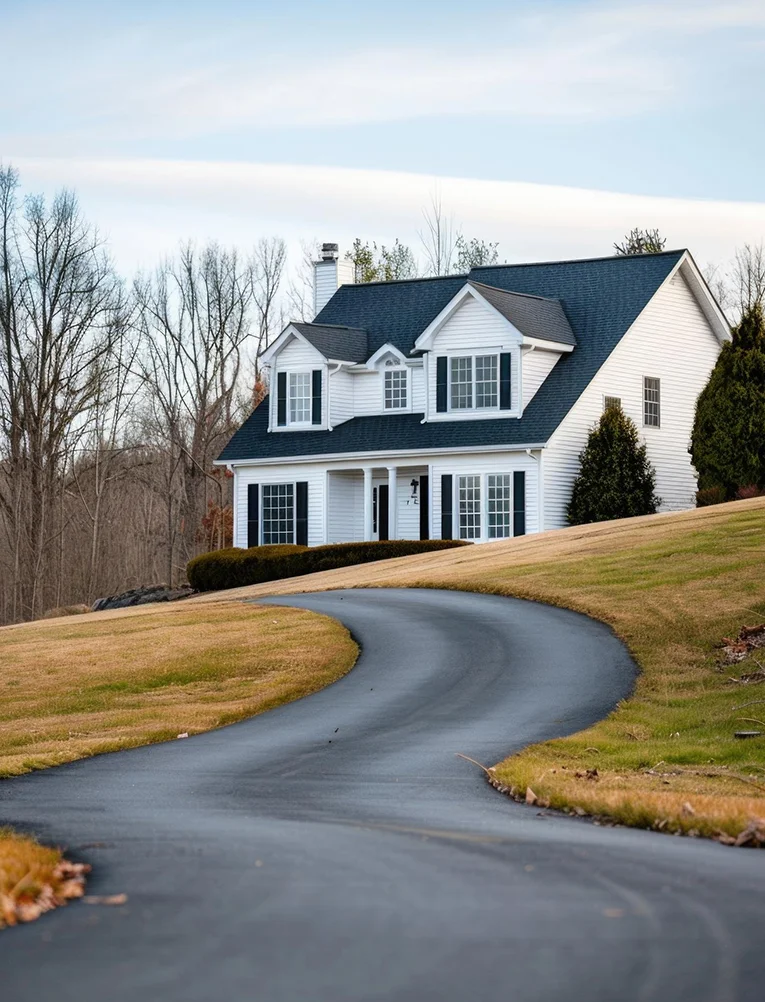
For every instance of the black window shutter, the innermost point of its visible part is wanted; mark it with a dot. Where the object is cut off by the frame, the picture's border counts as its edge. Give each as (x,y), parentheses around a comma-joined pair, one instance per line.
(446,506)
(441,387)
(316,396)
(301,513)
(281,398)
(253,521)
(424,508)
(519,503)
(505,402)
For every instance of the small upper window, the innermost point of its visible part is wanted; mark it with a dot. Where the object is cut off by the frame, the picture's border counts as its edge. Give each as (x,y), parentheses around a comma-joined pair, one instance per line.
(300,397)
(395,389)
(651,402)
(609,402)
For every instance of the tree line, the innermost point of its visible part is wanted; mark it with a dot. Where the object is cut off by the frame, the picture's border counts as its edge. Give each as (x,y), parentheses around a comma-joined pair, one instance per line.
(116,395)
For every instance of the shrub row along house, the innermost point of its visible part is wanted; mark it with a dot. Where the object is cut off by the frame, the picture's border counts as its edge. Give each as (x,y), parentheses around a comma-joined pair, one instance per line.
(456,407)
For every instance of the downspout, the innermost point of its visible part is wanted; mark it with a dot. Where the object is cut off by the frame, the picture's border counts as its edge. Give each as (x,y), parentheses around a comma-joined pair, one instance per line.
(330,373)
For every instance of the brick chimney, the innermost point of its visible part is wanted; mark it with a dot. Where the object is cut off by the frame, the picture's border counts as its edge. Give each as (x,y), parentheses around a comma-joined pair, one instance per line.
(329,273)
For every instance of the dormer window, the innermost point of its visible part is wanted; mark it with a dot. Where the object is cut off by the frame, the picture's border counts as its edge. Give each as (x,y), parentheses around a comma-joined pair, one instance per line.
(299,397)
(395,387)
(473,382)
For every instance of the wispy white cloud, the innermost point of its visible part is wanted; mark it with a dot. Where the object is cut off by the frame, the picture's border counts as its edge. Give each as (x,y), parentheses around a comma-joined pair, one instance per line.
(580,61)
(147,206)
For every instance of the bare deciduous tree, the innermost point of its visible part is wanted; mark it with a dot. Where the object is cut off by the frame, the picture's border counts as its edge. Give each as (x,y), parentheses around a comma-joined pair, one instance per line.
(438,238)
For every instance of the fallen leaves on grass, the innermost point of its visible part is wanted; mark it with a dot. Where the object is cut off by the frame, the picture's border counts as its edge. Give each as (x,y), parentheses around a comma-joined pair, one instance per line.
(749,639)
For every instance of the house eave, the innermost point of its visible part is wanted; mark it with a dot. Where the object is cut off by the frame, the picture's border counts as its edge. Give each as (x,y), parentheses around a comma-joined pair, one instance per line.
(368,457)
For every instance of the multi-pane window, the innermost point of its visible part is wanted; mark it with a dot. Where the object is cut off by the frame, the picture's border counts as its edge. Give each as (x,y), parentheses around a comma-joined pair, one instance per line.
(300,397)
(486,381)
(395,389)
(469,490)
(461,396)
(499,501)
(651,402)
(609,402)
(278,513)
(474,382)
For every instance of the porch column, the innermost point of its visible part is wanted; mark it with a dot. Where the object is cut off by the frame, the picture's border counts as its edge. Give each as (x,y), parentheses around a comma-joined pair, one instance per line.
(368,531)
(392,504)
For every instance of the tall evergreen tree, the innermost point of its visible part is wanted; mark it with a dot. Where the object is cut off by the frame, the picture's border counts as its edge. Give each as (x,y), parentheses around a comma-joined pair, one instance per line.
(615,480)
(728,441)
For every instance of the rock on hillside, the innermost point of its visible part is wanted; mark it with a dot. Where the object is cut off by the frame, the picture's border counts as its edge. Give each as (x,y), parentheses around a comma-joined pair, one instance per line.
(142,596)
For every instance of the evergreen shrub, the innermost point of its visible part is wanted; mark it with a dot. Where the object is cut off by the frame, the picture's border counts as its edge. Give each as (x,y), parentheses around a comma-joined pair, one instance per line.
(234,568)
(728,440)
(615,478)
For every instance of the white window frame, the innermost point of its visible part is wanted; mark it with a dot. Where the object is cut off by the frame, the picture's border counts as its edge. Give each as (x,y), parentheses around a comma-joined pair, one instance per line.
(395,370)
(477,513)
(308,373)
(652,403)
(506,502)
(262,519)
(611,396)
(472,357)
(484,504)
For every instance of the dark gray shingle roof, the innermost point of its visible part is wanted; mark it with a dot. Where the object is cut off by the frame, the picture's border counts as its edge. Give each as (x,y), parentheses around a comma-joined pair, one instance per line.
(601,298)
(534,316)
(345,344)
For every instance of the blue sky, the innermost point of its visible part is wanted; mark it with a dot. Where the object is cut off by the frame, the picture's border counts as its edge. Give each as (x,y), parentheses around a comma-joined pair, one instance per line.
(658,99)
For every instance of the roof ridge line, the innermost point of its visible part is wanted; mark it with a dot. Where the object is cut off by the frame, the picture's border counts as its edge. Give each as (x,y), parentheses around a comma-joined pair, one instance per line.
(578,260)
(340,327)
(512,292)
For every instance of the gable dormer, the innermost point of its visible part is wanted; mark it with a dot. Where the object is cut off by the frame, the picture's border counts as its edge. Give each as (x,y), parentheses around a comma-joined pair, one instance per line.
(477,349)
(300,363)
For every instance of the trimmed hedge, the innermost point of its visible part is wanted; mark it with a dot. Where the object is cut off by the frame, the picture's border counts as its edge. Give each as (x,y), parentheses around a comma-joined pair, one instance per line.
(236,567)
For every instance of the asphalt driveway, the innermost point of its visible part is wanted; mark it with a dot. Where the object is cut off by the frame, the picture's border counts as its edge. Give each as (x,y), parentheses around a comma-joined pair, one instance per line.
(338,849)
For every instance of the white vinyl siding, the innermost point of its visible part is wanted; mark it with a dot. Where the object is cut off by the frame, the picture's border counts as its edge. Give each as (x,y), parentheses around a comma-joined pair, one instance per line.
(537,366)
(345,516)
(672,341)
(340,397)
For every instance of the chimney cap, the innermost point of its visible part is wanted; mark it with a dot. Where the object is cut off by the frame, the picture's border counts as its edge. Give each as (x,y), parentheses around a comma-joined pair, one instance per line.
(329,252)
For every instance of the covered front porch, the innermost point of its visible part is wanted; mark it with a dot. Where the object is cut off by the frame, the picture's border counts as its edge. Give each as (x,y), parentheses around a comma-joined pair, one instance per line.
(378,502)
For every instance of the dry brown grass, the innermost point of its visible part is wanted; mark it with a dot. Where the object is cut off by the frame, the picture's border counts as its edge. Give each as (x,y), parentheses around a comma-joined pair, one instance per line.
(34,879)
(87,684)
(671,586)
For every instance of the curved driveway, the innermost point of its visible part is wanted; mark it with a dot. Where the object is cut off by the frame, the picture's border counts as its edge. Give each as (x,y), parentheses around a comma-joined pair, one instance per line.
(337,849)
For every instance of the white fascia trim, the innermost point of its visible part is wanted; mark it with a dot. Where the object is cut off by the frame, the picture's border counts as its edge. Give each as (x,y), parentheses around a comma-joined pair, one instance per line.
(704,296)
(424,341)
(276,346)
(534,342)
(377,459)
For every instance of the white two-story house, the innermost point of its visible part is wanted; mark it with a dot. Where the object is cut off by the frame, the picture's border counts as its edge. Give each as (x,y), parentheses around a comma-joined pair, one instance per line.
(457,407)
